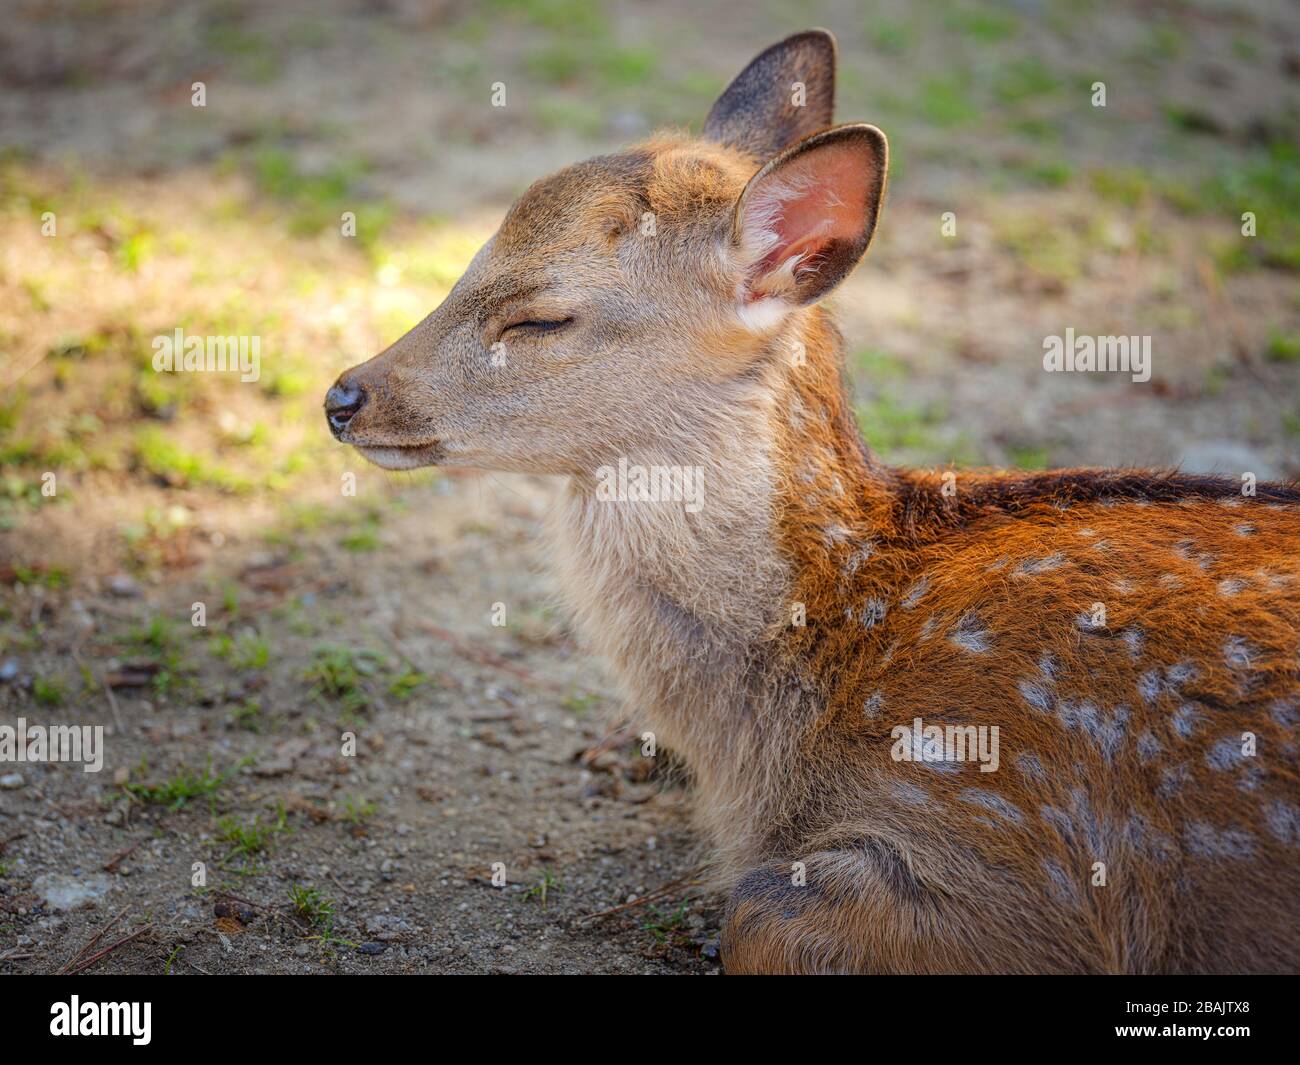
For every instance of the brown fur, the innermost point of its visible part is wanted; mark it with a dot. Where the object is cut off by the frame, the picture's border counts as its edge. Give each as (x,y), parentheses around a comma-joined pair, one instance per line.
(966,598)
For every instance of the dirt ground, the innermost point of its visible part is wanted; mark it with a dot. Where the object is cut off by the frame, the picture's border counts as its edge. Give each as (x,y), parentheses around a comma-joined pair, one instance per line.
(334,619)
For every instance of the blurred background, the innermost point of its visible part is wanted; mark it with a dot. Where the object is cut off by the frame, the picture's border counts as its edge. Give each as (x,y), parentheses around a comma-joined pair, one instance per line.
(372,611)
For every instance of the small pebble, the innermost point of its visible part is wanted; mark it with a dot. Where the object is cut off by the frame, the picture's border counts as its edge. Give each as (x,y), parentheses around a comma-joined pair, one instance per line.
(123,587)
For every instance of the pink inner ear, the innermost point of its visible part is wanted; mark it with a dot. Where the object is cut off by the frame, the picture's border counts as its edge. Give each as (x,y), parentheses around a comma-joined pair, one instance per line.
(811,203)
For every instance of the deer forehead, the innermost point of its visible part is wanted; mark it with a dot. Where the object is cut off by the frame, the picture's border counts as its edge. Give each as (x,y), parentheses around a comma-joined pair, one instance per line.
(689,186)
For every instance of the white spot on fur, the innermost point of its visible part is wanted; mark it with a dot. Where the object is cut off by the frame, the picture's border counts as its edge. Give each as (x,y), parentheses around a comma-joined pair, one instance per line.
(989,801)
(873,613)
(910,793)
(1032,567)
(915,592)
(875,701)
(970,635)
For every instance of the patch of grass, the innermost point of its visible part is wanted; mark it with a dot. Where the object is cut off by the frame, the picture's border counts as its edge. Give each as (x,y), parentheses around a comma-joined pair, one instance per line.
(312,906)
(1162,43)
(891,36)
(1025,79)
(179,790)
(343,674)
(557,63)
(230,600)
(1049,173)
(178,468)
(546,885)
(246,650)
(1244,48)
(1266,183)
(1282,347)
(1192,120)
(1036,128)
(666,928)
(985,25)
(891,426)
(254,56)
(357,811)
(577,18)
(364,536)
(247,715)
(251,839)
(159,639)
(1029,456)
(317,200)
(877,365)
(404,684)
(945,101)
(626,67)
(51,577)
(1048,249)
(565,113)
(157,636)
(581,703)
(48,691)
(1128,187)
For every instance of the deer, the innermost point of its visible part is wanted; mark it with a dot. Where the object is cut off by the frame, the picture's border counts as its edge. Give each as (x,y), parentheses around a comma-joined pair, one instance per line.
(810,638)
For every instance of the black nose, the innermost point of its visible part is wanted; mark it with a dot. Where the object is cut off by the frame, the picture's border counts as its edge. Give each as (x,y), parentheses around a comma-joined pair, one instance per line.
(341,403)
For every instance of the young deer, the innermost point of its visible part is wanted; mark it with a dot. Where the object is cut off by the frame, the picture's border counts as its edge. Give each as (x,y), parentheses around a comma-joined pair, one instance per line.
(1134,636)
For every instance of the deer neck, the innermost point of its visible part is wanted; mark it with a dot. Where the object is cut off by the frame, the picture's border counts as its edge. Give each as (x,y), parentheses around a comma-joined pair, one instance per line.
(690,608)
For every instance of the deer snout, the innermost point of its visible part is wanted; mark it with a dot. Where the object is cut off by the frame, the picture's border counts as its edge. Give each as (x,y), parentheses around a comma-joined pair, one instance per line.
(342,402)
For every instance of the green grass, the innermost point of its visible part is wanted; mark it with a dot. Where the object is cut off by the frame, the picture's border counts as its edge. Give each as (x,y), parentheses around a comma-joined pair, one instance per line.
(1024,80)
(357,811)
(364,536)
(1265,182)
(317,201)
(1291,423)
(1029,456)
(666,927)
(1048,173)
(179,790)
(343,675)
(48,691)
(945,101)
(157,637)
(1127,187)
(51,577)
(890,36)
(312,906)
(247,650)
(405,684)
(546,886)
(177,467)
(581,703)
(1282,347)
(983,25)
(891,426)
(579,19)
(249,839)
(247,715)
(160,639)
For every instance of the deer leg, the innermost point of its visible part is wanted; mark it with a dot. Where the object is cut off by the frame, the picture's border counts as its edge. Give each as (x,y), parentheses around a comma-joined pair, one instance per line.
(862,910)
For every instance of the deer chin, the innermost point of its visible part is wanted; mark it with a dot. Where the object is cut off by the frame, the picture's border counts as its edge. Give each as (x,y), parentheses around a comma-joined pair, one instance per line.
(401,456)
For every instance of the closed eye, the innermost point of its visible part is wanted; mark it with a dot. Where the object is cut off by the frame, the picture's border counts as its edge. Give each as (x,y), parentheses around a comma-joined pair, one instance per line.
(538,325)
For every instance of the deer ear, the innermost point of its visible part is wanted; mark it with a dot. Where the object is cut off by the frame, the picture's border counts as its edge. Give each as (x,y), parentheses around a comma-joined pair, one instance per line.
(786,93)
(806,218)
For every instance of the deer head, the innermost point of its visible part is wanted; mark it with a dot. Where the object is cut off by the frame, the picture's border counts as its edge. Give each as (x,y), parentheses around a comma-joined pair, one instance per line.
(626,298)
